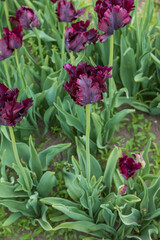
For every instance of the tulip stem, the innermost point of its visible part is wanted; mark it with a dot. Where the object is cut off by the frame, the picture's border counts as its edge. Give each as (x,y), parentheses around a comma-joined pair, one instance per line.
(88,166)
(72,57)
(39,45)
(17,158)
(112,86)
(137,30)
(19,70)
(63,47)
(7,74)
(111,50)
(7,15)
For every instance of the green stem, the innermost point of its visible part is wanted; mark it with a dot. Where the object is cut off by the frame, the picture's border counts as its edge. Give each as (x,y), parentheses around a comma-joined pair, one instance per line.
(137,30)
(39,45)
(112,86)
(111,51)
(17,157)
(7,74)
(88,167)
(7,15)
(71,57)
(63,45)
(19,71)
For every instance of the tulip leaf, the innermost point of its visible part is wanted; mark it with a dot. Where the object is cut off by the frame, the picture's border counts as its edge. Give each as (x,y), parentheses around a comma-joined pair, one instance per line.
(110,168)
(34,162)
(41,34)
(69,208)
(145,156)
(95,166)
(49,153)
(8,191)
(155,60)
(9,159)
(71,120)
(145,234)
(43,220)
(24,179)
(18,206)
(12,218)
(130,199)
(131,219)
(46,183)
(98,230)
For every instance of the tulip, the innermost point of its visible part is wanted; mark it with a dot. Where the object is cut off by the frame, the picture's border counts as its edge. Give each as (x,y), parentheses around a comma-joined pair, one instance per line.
(128,165)
(113,15)
(87,83)
(77,36)
(66,11)
(25,18)
(11,40)
(11,111)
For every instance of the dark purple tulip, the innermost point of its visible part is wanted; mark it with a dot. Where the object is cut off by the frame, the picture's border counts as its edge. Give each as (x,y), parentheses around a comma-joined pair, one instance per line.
(66,11)
(87,83)
(11,111)
(11,40)
(128,166)
(113,15)
(5,52)
(14,37)
(25,18)
(77,36)
(54,1)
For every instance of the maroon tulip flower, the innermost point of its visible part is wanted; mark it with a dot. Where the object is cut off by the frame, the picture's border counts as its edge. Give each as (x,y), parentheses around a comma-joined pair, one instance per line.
(87,83)
(66,11)
(128,165)
(11,111)
(25,18)
(11,40)
(54,1)
(77,36)
(113,15)
(5,52)
(14,37)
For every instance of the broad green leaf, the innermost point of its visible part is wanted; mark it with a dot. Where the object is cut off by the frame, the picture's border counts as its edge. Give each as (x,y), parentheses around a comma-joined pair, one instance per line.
(34,162)
(95,166)
(69,208)
(8,191)
(110,168)
(46,183)
(130,199)
(43,220)
(49,153)
(98,230)
(71,120)
(41,34)
(145,156)
(145,234)
(155,60)
(134,218)
(127,66)
(24,179)
(18,206)
(9,159)
(12,218)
